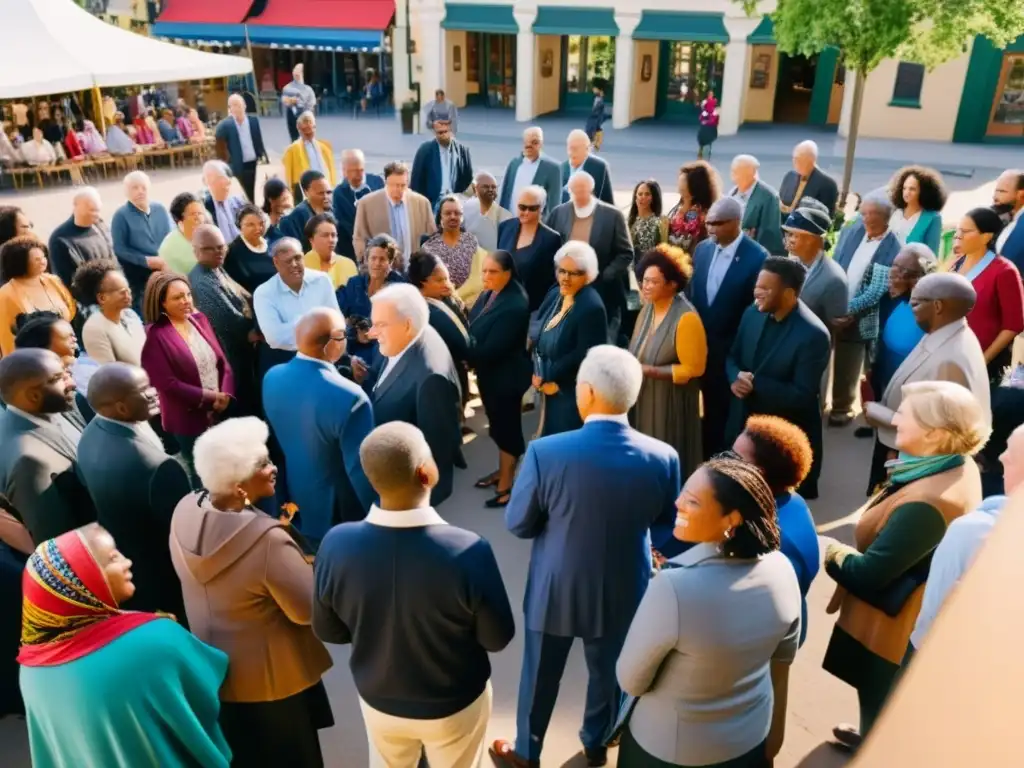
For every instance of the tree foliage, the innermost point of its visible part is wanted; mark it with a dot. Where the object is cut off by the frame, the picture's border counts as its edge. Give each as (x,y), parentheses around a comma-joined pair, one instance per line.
(867,31)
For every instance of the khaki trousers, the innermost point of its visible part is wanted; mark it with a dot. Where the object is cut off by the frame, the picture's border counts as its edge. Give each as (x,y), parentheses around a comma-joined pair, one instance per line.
(456,741)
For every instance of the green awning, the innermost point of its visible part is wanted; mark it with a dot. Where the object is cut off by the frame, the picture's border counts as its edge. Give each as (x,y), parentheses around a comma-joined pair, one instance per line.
(563,20)
(688,27)
(764,34)
(472,17)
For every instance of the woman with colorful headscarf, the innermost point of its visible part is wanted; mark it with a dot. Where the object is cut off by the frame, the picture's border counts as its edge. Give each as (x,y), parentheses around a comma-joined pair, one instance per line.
(105,686)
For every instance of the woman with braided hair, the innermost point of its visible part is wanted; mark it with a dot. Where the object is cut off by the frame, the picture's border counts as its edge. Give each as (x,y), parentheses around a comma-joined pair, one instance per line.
(707,655)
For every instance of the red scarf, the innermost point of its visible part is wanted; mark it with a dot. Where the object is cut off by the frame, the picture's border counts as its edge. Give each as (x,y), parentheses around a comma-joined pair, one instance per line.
(68,610)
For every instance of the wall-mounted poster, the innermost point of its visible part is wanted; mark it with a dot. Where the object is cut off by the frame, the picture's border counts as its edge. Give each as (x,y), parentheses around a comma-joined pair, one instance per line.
(457,58)
(759,75)
(547,63)
(646,68)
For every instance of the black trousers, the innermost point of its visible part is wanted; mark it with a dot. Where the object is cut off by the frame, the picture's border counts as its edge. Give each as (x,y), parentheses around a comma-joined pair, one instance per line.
(247,178)
(291,117)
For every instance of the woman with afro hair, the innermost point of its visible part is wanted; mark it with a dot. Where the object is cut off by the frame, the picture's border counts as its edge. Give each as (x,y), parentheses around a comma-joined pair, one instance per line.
(918,195)
(782,452)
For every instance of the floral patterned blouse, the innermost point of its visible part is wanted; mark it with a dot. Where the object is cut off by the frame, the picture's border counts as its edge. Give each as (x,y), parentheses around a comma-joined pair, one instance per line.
(687,230)
(459,259)
(646,233)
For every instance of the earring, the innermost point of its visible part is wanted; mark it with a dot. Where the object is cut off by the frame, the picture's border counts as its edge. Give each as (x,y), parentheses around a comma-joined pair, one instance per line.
(728,533)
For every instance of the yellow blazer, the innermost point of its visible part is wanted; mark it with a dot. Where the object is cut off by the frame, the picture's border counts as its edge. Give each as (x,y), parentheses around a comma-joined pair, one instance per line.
(296,163)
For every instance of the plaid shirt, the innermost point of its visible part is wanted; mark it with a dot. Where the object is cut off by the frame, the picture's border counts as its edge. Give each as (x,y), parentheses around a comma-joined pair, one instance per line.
(865,304)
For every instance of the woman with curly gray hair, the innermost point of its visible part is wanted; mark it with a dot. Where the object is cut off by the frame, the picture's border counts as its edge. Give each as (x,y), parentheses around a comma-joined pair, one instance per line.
(247,587)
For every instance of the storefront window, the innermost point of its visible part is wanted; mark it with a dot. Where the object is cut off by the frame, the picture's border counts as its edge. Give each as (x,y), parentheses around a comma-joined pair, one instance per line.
(473,57)
(591,61)
(1010,107)
(694,69)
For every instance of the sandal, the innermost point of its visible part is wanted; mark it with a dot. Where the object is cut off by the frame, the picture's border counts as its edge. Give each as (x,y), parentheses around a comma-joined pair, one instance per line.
(487,481)
(501,499)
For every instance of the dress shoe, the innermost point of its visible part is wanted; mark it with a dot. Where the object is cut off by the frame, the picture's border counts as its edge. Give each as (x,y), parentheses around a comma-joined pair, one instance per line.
(847,737)
(596,756)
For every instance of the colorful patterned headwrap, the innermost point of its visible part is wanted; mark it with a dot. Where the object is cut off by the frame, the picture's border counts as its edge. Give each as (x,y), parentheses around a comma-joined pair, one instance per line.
(68,609)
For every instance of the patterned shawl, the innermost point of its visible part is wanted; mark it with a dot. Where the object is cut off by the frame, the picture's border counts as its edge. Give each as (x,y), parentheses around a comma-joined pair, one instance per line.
(68,610)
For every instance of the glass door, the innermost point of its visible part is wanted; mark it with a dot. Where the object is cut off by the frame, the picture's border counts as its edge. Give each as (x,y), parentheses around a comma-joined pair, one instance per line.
(1007,117)
(501,70)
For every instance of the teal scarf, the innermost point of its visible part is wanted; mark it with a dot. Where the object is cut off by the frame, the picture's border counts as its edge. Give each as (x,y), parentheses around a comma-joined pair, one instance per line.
(907,468)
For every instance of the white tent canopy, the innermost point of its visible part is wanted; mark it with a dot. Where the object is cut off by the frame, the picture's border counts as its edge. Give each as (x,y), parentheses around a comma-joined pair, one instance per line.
(54,46)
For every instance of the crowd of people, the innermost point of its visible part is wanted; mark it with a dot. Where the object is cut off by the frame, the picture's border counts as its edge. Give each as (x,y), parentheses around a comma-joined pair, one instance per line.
(228,431)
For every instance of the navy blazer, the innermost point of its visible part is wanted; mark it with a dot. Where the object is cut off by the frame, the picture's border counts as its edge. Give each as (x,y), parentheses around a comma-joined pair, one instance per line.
(423,390)
(227,131)
(293,224)
(787,377)
(584,327)
(1013,248)
(535,263)
(588,499)
(820,186)
(598,168)
(344,206)
(548,176)
(497,347)
(722,318)
(426,170)
(320,419)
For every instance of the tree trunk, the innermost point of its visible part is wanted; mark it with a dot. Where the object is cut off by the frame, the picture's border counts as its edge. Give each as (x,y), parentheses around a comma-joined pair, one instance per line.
(851,137)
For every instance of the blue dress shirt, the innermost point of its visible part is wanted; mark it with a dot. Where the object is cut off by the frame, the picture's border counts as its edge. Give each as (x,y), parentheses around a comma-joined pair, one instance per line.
(278,307)
(719,267)
(245,137)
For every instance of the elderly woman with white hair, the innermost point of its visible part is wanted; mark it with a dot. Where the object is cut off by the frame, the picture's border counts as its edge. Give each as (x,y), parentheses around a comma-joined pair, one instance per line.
(865,251)
(248,587)
(139,228)
(940,425)
(572,320)
(532,243)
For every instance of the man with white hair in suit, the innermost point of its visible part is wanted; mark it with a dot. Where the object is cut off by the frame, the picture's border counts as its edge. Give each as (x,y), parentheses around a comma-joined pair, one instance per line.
(580,158)
(761,207)
(415,379)
(807,180)
(83,237)
(240,144)
(138,228)
(222,206)
(531,168)
(588,500)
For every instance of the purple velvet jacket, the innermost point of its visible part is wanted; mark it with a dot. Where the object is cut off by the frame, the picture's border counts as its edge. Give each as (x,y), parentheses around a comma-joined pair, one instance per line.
(184,407)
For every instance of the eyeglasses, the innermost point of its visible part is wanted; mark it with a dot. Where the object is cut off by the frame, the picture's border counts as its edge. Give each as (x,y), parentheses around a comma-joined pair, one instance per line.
(570,272)
(528,208)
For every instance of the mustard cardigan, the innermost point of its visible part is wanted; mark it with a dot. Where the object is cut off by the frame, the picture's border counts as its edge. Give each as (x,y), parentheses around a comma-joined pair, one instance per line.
(296,163)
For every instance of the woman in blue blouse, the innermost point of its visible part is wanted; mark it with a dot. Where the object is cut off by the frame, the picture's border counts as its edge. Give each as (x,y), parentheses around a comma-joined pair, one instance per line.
(783,453)
(354,296)
(918,195)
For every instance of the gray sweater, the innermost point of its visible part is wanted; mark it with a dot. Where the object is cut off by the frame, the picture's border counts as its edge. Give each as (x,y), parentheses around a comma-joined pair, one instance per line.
(699,650)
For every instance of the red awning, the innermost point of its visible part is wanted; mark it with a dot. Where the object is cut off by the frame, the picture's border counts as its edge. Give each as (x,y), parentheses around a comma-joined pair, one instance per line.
(205,11)
(372,15)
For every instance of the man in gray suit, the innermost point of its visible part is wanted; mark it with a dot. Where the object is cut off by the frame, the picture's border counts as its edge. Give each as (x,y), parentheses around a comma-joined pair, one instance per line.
(824,292)
(760,203)
(864,245)
(603,226)
(532,167)
(949,352)
(39,435)
(133,483)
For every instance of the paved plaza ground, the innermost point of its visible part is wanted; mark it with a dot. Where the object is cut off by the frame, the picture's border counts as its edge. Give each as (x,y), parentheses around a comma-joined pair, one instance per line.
(817,701)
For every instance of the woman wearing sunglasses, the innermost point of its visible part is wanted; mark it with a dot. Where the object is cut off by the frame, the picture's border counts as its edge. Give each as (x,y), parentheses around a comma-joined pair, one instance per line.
(532,244)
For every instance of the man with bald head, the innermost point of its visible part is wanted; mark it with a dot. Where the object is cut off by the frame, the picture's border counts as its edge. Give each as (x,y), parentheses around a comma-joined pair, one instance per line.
(40,431)
(422,604)
(83,237)
(1008,202)
(320,419)
(482,213)
(133,483)
(807,180)
(577,147)
(355,185)
(532,168)
(240,144)
(948,352)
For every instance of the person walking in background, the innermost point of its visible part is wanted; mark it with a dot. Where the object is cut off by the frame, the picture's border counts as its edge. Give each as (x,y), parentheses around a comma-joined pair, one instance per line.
(588,500)
(725,270)
(247,585)
(143,689)
(918,195)
(297,97)
(134,484)
(743,603)
(356,185)
(441,110)
(783,454)
(761,207)
(138,229)
(442,166)
(596,118)
(307,153)
(320,419)
(421,638)
(240,144)
(670,343)
(707,133)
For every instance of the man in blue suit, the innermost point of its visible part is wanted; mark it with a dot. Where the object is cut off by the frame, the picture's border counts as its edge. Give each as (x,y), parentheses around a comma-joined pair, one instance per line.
(240,144)
(588,499)
(725,268)
(577,147)
(776,363)
(442,166)
(1008,200)
(357,185)
(319,419)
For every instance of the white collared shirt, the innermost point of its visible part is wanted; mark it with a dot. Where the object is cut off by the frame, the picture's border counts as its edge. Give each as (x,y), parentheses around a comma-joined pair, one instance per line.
(1007,231)
(141,428)
(861,262)
(586,211)
(525,175)
(405,518)
(619,418)
(398,213)
(393,361)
